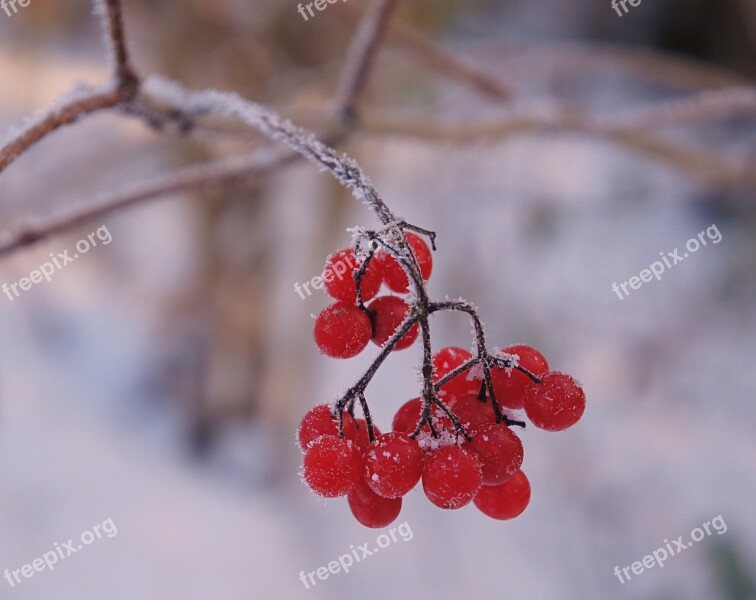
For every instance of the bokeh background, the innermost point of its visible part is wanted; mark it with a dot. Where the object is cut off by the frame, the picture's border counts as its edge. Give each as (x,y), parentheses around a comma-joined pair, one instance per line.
(158,380)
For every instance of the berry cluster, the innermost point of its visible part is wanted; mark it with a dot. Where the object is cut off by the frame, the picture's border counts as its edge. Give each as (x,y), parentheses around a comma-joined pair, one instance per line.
(343,329)
(456,437)
(462,453)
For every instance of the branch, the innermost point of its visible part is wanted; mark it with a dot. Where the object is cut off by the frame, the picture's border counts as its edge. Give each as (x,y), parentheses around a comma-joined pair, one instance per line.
(205,175)
(708,105)
(267,122)
(440,60)
(650,66)
(111,15)
(126,88)
(361,55)
(57,117)
(705,165)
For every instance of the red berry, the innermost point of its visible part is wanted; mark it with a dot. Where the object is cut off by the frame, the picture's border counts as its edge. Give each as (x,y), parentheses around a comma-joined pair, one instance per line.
(370,509)
(505,501)
(393,273)
(510,388)
(332,466)
(451,477)
(408,416)
(342,330)
(444,362)
(500,452)
(363,438)
(473,413)
(338,274)
(318,421)
(389,313)
(393,464)
(556,403)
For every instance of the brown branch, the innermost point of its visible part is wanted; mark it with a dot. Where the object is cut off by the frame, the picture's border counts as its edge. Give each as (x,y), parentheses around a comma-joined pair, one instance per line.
(593,60)
(696,108)
(201,176)
(707,166)
(449,65)
(127,85)
(59,117)
(112,15)
(184,108)
(440,60)
(361,55)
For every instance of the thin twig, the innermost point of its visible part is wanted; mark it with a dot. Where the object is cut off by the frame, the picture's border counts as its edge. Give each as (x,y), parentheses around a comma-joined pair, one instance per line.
(126,87)
(708,105)
(361,55)
(60,116)
(440,60)
(126,78)
(270,124)
(704,165)
(205,175)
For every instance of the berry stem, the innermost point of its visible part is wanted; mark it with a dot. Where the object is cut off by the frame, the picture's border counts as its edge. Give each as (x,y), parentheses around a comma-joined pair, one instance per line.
(429,390)
(392,238)
(484,358)
(458,371)
(366,415)
(358,390)
(359,275)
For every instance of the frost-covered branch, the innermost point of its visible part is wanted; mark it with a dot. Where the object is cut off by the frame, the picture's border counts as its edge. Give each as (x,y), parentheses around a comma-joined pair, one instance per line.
(69,111)
(161,103)
(270,124)
(83,102)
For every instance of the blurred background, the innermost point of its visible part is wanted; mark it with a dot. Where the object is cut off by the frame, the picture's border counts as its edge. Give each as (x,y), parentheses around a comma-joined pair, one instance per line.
(158,380)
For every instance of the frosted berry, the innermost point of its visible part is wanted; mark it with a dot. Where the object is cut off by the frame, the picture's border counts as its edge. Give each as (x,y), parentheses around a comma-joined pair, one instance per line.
(505,501)
(370,509)
(500,452)
(444,362)
(408,416)
(472,413)
(393,464)
(318,421)
(338,274)
(556,403)
(342,330)
(510,388)
(451,477)
(388,313)
(393,273)
(332,466)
